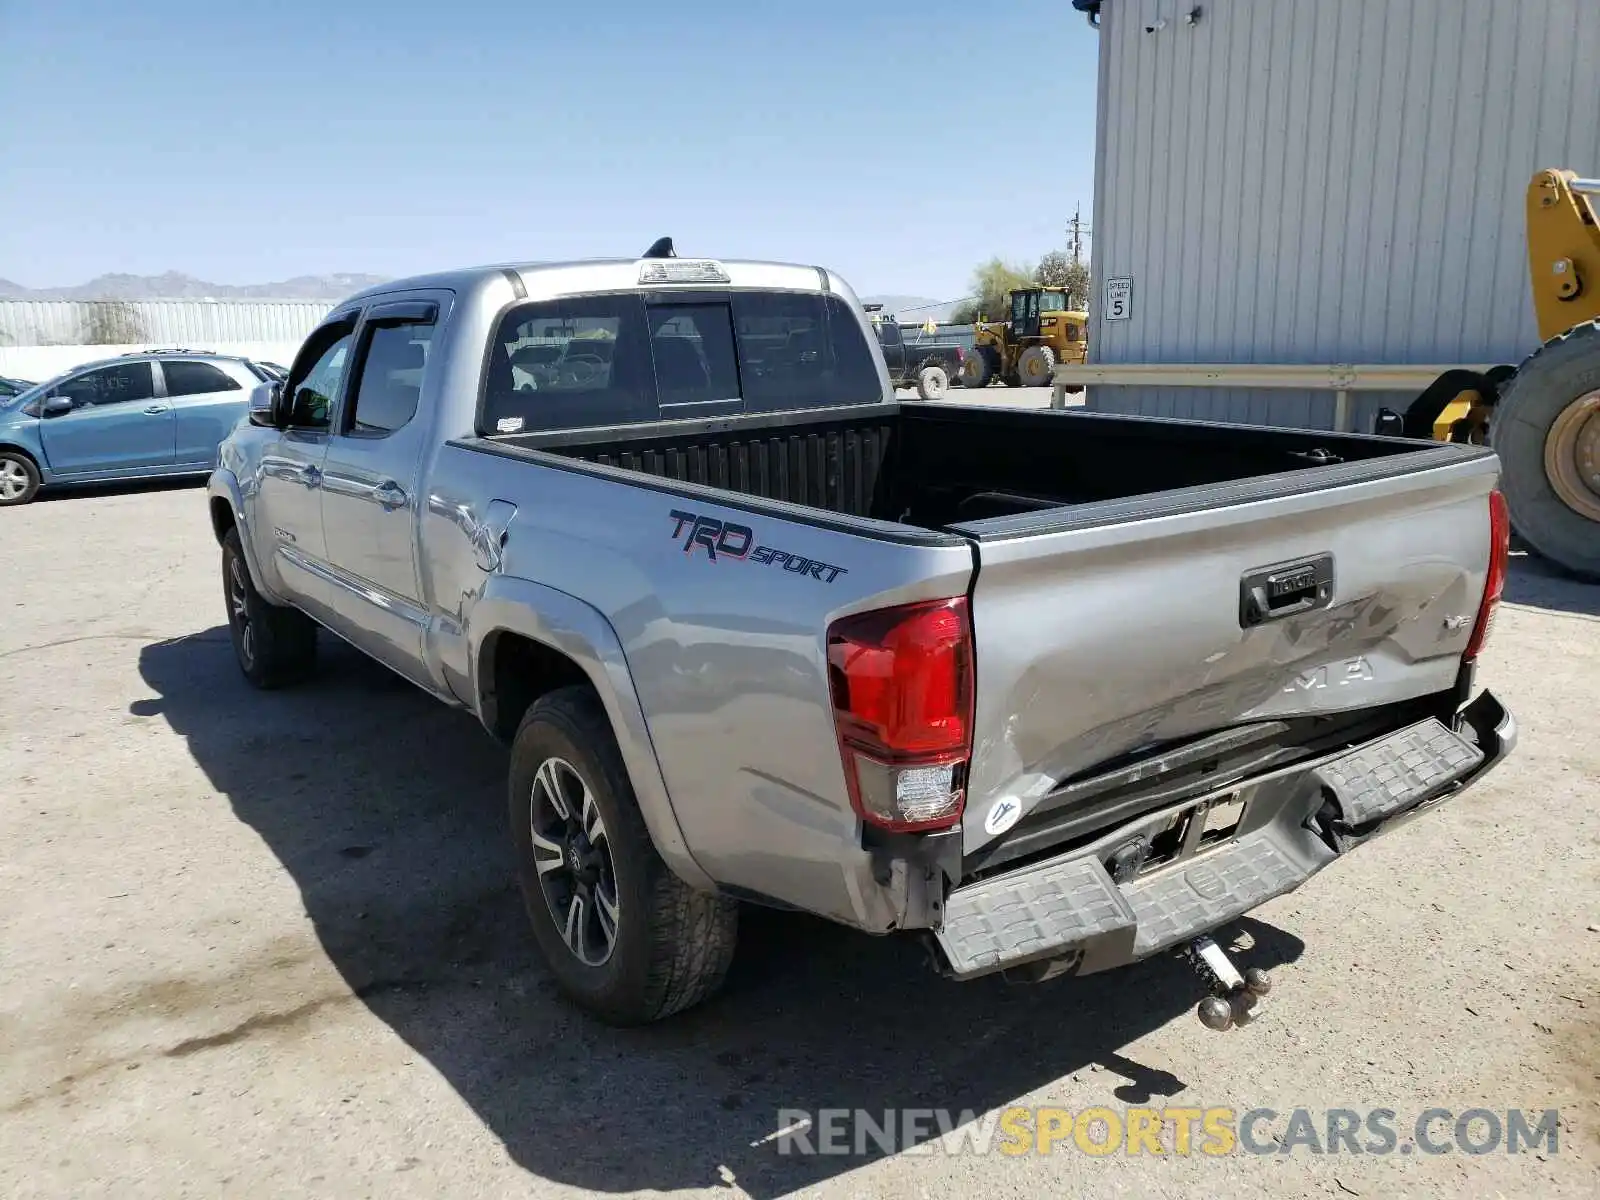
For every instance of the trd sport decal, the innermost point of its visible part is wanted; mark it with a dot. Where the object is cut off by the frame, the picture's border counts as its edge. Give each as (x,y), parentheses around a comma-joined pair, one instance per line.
(724,540)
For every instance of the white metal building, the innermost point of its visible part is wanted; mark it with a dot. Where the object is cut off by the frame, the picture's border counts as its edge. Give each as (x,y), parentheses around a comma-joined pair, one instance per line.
(41,338)
(1325,181)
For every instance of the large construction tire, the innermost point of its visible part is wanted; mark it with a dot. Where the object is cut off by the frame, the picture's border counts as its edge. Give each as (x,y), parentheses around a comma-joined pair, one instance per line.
(1037,366)
(978,368)
(1546,430)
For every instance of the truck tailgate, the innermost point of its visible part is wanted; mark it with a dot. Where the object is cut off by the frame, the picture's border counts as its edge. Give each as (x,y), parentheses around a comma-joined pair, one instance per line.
(1117,628)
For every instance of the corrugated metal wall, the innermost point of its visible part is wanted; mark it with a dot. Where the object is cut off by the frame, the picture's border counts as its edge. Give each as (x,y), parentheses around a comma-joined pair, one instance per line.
(1327,181)
(195,324)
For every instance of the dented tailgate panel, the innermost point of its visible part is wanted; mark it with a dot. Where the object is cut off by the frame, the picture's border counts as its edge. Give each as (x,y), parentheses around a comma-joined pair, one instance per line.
(1098,641)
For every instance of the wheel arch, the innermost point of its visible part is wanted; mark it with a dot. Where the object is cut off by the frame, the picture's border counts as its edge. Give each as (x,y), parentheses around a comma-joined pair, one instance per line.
(528,639)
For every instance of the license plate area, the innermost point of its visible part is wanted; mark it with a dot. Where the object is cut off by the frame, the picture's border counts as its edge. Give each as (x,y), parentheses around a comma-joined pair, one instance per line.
(1193,830)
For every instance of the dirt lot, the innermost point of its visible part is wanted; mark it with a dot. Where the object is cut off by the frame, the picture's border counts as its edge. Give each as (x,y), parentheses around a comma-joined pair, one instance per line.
(268,945)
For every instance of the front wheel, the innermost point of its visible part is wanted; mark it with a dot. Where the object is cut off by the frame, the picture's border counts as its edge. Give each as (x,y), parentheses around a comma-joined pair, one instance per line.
(623,936)
(19,478)
(977,369)
(275,646)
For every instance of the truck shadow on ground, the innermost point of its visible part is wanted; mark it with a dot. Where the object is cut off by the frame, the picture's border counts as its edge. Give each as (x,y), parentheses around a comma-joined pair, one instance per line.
(1536,584)
(389,813)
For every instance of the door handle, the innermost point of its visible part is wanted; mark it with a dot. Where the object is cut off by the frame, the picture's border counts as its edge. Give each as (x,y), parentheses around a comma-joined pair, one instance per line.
(311,476)
(155,410)
(390,494)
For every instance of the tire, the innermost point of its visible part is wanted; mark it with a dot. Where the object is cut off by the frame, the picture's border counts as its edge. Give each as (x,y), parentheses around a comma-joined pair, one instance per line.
(1552,380)
(669,946)
(275,646)
(977,369)
(932,382)
(1036,367)
(19,478)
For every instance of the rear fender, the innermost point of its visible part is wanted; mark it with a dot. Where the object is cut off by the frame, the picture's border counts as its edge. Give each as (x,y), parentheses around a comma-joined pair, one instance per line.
(582,633)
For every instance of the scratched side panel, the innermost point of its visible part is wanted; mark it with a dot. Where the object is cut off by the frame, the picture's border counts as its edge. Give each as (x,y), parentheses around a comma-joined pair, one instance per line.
(722,615)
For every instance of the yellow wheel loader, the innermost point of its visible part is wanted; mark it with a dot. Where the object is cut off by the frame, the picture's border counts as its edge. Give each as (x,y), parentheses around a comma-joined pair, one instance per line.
(1023,350)
(1543,416)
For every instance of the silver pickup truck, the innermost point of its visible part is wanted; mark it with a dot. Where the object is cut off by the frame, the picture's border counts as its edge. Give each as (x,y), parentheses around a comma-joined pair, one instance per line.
(1054,691)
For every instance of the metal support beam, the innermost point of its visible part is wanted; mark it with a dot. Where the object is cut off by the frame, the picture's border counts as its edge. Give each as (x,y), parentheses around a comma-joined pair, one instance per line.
(1338,378)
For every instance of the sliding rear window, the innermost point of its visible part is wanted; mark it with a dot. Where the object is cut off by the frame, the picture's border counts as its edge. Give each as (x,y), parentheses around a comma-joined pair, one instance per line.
(626,358)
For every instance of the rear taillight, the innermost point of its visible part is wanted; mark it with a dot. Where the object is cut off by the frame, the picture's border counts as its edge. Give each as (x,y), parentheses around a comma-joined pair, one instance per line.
(901,680)
(1499,560)
(961,356)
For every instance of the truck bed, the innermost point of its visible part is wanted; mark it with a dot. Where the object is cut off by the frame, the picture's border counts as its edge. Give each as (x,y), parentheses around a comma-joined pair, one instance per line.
(986,472)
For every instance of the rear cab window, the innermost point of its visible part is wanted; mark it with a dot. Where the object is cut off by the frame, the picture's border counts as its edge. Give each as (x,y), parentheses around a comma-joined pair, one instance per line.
(627,358)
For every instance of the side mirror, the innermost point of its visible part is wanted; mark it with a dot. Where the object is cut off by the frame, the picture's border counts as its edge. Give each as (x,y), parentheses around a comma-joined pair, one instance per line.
(56,406)
(265,402)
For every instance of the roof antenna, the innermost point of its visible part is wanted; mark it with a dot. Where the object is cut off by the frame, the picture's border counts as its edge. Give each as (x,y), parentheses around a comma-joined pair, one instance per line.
(661,248)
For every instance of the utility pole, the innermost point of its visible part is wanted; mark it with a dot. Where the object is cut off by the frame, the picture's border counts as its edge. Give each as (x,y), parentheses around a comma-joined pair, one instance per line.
(1076,225)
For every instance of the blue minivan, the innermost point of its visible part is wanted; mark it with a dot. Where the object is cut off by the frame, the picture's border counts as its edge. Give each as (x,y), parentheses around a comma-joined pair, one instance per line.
(144,415)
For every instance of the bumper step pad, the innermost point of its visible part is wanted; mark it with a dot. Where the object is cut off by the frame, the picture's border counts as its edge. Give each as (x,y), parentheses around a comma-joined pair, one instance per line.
(1058,907)
(1398,772)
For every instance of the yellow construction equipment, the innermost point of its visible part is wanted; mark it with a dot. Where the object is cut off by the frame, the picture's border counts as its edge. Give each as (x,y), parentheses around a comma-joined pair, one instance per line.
(1542,417)
(1024,349)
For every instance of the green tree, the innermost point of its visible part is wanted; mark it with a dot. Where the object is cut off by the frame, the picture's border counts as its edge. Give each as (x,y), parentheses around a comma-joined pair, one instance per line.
(990,283)
(1057,269)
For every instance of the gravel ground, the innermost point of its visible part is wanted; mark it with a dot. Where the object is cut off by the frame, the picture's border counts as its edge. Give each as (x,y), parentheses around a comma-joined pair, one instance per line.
(268,945)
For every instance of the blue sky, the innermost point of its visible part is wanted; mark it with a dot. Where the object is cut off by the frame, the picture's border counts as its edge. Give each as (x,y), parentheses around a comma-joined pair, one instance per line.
(899,143)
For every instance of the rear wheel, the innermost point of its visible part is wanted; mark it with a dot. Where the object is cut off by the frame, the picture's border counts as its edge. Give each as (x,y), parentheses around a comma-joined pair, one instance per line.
(623,936)
(1546,430)
(1037,366)
(932,382)
(19,478)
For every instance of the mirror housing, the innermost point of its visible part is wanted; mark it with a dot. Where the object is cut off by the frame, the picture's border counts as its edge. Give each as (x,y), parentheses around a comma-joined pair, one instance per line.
(55,406)
(265,404)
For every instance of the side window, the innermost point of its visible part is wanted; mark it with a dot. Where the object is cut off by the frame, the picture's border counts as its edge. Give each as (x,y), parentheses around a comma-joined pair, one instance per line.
(692,345)
(121,383)
(318,372)
(889,333)
(564,364)
(389,385)
(783,349)
(853,375)
(196,379)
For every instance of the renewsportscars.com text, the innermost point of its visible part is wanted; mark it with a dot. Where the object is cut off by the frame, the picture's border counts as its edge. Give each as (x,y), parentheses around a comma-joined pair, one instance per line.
(1175,1131)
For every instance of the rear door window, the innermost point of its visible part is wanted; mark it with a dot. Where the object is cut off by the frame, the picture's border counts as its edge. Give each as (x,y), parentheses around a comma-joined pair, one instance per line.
(196,378)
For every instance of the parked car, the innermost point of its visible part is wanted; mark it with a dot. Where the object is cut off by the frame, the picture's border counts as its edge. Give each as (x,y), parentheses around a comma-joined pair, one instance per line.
(1054,691)
(13,387)
(927,366)
(135,417)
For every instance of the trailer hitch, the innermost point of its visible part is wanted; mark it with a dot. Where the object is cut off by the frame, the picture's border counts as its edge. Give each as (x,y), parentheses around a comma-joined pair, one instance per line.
(1234,996)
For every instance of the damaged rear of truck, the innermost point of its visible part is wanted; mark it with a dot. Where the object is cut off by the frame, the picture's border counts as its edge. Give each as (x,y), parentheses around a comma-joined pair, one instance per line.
(1053,691)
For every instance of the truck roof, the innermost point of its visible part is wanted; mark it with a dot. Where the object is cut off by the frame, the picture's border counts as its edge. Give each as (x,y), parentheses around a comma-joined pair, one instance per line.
(548,280)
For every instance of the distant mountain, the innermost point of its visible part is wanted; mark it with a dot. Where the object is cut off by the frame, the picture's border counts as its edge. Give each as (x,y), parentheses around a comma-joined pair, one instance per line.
(174,285)
(913,310)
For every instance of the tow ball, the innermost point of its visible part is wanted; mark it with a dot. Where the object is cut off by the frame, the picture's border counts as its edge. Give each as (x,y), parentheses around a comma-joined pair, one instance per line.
(1234,996)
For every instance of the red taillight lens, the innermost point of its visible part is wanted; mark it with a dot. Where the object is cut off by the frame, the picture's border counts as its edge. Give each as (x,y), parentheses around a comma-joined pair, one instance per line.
(961,356)
(1495,584)
(901,680)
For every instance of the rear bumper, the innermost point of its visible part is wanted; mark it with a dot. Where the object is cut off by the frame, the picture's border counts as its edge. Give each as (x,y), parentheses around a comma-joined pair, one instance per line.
(1069,915)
